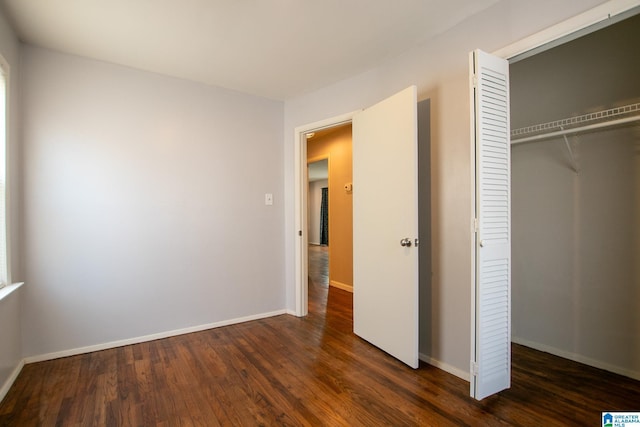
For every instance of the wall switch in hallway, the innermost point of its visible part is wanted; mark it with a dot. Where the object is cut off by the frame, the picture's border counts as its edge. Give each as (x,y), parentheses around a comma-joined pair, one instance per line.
(268,199)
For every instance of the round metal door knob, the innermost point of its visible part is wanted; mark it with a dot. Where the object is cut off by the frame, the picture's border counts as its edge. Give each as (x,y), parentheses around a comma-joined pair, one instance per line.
(406,242)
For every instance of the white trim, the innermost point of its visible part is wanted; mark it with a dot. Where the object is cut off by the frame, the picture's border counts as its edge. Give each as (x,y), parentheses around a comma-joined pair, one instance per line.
(6,70)
(340,285)
(9,289)
(445,367)
(577,358)
(152,337)
(300,206)
(12,378)
(473,222)
(563,29)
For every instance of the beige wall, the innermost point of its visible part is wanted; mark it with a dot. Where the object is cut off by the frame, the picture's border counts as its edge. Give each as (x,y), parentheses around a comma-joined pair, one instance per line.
(336,146)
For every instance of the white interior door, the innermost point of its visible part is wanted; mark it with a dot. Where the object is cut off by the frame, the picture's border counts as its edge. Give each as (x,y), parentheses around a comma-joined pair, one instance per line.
(491,308)
(385,211)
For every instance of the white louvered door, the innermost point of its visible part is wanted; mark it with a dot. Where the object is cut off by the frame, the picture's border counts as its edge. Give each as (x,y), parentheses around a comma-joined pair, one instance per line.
(491,348)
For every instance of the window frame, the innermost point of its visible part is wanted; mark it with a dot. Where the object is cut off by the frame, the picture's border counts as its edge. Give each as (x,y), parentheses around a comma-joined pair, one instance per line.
(5,272)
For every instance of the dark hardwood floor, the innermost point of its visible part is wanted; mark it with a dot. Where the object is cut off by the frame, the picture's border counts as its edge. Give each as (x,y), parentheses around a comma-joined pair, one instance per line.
(319,265)
(298,371)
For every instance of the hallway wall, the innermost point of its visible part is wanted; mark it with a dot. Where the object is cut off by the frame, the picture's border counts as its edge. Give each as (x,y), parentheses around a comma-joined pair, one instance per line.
(336,146)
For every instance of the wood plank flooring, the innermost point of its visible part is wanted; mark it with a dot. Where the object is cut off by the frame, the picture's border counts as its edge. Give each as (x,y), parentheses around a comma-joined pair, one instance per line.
(298,372)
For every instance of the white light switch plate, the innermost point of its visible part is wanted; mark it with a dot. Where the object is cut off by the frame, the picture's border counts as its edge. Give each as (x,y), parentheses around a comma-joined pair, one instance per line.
(268,199)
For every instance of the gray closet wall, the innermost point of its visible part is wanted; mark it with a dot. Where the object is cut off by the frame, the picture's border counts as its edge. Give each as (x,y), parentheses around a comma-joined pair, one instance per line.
(576,236)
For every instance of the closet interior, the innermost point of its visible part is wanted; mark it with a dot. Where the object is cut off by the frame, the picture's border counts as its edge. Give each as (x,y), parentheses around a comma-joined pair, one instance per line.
(575,120)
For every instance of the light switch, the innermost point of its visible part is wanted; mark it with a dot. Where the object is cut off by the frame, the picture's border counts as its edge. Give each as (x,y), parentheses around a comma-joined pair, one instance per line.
(268,199)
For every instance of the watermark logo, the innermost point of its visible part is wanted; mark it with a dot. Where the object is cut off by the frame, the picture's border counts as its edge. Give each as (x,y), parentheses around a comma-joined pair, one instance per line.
(621,419)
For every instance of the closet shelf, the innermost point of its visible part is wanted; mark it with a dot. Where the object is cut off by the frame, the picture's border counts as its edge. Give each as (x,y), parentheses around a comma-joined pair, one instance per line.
(600,119)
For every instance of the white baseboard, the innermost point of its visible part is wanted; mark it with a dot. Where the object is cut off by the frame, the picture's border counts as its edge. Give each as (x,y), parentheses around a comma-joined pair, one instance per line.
(145,338)
(342,286)
(9,382)
(577,358)
(445,367)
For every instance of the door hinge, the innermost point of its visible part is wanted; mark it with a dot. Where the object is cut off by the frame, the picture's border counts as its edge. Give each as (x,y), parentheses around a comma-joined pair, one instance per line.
(474,368)
(474,80)
(475,225)
(300,233)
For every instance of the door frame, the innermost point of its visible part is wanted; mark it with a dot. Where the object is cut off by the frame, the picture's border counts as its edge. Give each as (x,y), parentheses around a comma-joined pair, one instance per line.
(312,160)
(300,202)
(591,20)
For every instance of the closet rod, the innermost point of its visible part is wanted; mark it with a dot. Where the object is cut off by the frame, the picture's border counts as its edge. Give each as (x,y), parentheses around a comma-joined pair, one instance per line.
(575,130)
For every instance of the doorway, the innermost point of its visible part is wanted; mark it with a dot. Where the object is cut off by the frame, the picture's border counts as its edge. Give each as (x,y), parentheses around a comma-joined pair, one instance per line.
(385,254)
(330,202)
(302,137)
(318,201)
(318,231)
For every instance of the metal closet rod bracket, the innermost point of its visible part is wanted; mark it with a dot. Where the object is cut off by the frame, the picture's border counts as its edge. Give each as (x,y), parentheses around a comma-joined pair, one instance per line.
(572,157)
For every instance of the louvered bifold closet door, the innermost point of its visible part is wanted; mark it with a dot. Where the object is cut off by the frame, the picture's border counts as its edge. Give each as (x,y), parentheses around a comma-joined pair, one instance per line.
(492,368)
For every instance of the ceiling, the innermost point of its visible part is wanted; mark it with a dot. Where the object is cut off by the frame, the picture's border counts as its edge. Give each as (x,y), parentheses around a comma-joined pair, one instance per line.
(277,49)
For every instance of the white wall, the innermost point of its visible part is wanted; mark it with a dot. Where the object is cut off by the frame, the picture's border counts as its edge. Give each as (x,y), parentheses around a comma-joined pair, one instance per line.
(144,203)
(440,69)
(315,202)
(575,235)
(10,327)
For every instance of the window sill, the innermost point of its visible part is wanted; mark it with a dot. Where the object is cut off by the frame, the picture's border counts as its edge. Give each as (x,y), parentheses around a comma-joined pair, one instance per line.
(7,290)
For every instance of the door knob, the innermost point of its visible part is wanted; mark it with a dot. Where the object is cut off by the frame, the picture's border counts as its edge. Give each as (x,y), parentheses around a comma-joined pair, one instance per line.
(406,242)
